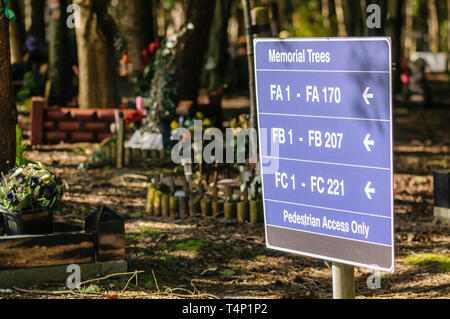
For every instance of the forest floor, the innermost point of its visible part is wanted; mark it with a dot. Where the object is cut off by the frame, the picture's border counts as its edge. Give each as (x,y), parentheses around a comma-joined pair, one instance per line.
(205,257)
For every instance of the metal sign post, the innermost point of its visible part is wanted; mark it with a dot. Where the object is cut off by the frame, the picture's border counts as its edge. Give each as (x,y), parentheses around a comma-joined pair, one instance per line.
(325,121)
(343,281)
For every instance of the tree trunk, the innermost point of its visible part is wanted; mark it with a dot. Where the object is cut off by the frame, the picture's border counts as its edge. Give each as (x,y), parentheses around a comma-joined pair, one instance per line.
(138,28)
(37,28)
(408,29)
(96,58)
(433,30)
(251,66)
(192,48)
(397,24)
(326,14)
(59,68)
(354,25)
(8,110)
(218,57)
(16,32)
(342,32)
(383,7)
(448,35)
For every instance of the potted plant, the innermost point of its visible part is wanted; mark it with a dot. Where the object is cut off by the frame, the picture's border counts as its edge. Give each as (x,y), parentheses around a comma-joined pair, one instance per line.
(28,196)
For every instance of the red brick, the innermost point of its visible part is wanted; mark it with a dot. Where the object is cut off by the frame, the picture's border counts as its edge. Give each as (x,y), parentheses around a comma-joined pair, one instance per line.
(106,114)
(56,114)
(37,120)
(83,114)
(49,126)
(95,126)
(55,137)
(69,126)
(82,137)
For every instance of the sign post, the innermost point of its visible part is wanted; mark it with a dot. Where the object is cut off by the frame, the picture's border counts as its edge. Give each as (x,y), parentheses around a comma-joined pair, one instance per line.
(325,123)
(343,281)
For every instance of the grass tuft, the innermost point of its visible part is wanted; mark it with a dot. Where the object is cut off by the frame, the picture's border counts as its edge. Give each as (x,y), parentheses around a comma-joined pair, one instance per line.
(439,261)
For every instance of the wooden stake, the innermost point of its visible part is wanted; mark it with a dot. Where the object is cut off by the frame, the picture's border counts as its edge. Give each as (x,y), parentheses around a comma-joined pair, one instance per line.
(120,142)
(242,212)
(206,207)
(230,210)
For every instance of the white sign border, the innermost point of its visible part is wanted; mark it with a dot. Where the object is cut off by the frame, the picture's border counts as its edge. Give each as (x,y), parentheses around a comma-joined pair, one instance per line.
(333,39)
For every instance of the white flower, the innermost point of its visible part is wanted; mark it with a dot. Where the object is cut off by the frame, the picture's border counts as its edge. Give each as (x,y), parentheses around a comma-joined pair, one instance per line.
(190,26)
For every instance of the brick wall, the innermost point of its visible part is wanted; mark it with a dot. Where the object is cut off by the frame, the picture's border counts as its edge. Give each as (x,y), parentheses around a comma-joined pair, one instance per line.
(51,125)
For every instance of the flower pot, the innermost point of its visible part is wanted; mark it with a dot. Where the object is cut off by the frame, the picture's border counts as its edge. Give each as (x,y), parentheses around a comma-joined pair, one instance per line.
(242,212)
(206,208)
(230,210)
(217,207)
(173,203)
(194,207)
(256,212)
(28,222)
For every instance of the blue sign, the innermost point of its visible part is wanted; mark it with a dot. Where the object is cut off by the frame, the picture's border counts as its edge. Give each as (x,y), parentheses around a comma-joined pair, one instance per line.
(325,123)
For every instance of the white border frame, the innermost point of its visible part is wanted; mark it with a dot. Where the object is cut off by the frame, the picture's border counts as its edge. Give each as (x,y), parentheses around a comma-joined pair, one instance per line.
(333,39)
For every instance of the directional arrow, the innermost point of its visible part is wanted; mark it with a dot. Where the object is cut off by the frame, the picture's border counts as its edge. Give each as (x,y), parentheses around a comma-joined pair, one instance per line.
(366,95)
(368,142)
(369,190)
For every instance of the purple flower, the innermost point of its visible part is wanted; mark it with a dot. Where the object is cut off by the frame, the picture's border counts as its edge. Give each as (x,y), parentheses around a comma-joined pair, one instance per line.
(12,170)
(35,180)
(50,189)
(20,178)
(11,197)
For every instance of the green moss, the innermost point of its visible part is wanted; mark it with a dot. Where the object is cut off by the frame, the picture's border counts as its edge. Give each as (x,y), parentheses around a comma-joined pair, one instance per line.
(228,272)
(439,261)
(144,232)
(148,230)
(191,245)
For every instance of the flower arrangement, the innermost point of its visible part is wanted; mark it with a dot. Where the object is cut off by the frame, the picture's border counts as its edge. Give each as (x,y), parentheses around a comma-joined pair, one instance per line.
(31,187)
(134,119)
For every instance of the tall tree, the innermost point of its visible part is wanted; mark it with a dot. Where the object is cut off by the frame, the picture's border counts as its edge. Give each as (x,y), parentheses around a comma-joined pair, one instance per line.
(396,16)
(325,7)
(433,31)
(339,7)
(96,58)
(354,24)
(448,30)
(408,29)
(8,110)
(16,32)
(37,28)
(138,28)
(218,45)
(192,48)
(59,66)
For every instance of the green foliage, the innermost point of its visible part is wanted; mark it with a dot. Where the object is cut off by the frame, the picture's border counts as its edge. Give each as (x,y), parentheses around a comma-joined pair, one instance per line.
(32,86)
(439,261)
(30,187)
(307,21)
(143,81)
(192,245)
(91,289)
(20,148)
(163,92)
(228,272)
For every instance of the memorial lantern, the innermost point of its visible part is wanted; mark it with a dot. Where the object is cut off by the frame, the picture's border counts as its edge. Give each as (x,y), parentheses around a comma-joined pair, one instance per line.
(109,228)
(125,65)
